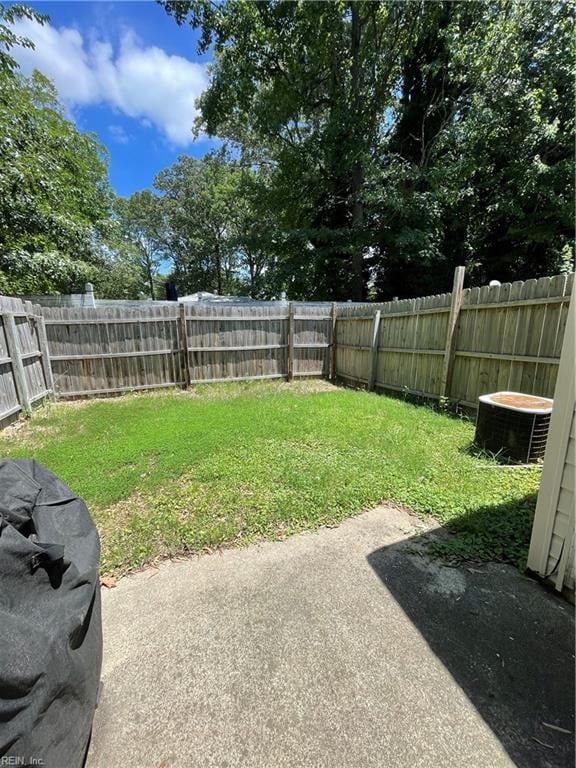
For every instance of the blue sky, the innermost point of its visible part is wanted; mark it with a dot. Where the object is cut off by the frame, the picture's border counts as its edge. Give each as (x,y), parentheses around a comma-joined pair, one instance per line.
(128,73)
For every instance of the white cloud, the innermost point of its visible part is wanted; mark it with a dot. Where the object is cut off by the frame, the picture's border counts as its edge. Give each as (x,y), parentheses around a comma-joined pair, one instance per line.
(143,82)
(118,134)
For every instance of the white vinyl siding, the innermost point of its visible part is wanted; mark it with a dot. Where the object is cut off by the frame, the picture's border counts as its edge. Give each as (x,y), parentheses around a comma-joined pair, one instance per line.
(563,531)
(552,547)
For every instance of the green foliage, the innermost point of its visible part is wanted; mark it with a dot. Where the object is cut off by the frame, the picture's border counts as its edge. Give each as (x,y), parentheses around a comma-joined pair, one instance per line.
(489,533)
(516,187)
(369,148)
(216,232)
(122,276)
(8,38)
(55,200)
(58,225)
(170,472)
(303,87)
(398,139)
(43,272)
(196,199)
(140,221)
(255,235)
(54,194)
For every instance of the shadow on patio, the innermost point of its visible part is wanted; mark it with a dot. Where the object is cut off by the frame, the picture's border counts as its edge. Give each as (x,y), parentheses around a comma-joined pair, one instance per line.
(507,642)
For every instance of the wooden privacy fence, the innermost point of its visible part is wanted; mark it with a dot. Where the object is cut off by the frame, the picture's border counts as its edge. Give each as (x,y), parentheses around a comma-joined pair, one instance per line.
(114,350)
(458,345)
(25,374)
(258,341)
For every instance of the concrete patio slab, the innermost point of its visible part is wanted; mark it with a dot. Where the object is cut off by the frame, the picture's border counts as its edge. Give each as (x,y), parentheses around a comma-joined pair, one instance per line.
(336,649)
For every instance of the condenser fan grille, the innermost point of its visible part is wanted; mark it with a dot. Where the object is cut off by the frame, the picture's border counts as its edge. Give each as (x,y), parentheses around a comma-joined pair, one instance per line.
(513,425)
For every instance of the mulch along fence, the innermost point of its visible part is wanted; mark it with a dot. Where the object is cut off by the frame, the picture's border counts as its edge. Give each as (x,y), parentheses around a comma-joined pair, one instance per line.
(456,345)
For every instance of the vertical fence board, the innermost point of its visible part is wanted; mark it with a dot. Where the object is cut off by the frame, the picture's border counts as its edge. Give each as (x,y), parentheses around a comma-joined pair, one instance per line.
(451,330)
(374,339)
(23,380)
(15,354)
(290,369)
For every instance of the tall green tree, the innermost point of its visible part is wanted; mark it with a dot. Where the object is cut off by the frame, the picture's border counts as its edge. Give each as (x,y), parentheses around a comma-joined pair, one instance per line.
(121,275)
(516,184)
(198,201)
(9,14)
(54,193)
(255,235)
(56,231)
(399,138)
(310,83)
(479,162)
(141,222)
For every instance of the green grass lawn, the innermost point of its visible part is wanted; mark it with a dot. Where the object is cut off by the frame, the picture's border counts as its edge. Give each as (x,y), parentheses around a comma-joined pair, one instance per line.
(168,472)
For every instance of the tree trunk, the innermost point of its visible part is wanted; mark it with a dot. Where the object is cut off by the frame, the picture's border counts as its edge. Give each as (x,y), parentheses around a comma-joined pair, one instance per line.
(357,172)
(150,276)
(218,274)
(252,276)
(357,284)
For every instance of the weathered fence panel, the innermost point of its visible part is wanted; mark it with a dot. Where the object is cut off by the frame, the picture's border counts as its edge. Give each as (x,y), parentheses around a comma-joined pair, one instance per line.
(113,350)
(411,343)
(312,338)
(24,377)
(353,348)
(9,401)
(236,342)
(502,337)
(510,337)
(119,349)
(263,341)
(456,345)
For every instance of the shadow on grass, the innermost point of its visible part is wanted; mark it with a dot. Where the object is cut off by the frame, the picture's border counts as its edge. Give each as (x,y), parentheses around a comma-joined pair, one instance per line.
(507,641)
(454,409)
(489,533)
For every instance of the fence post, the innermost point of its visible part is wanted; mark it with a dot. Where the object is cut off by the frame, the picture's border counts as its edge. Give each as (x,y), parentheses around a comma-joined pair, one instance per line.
(290,341)
(17,364)
(185,368)
(374,349)
(455,306)
(332,350)
(43,345)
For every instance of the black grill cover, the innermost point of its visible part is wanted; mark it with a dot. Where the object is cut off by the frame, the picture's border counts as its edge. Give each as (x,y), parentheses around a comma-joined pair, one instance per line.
(50,623)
